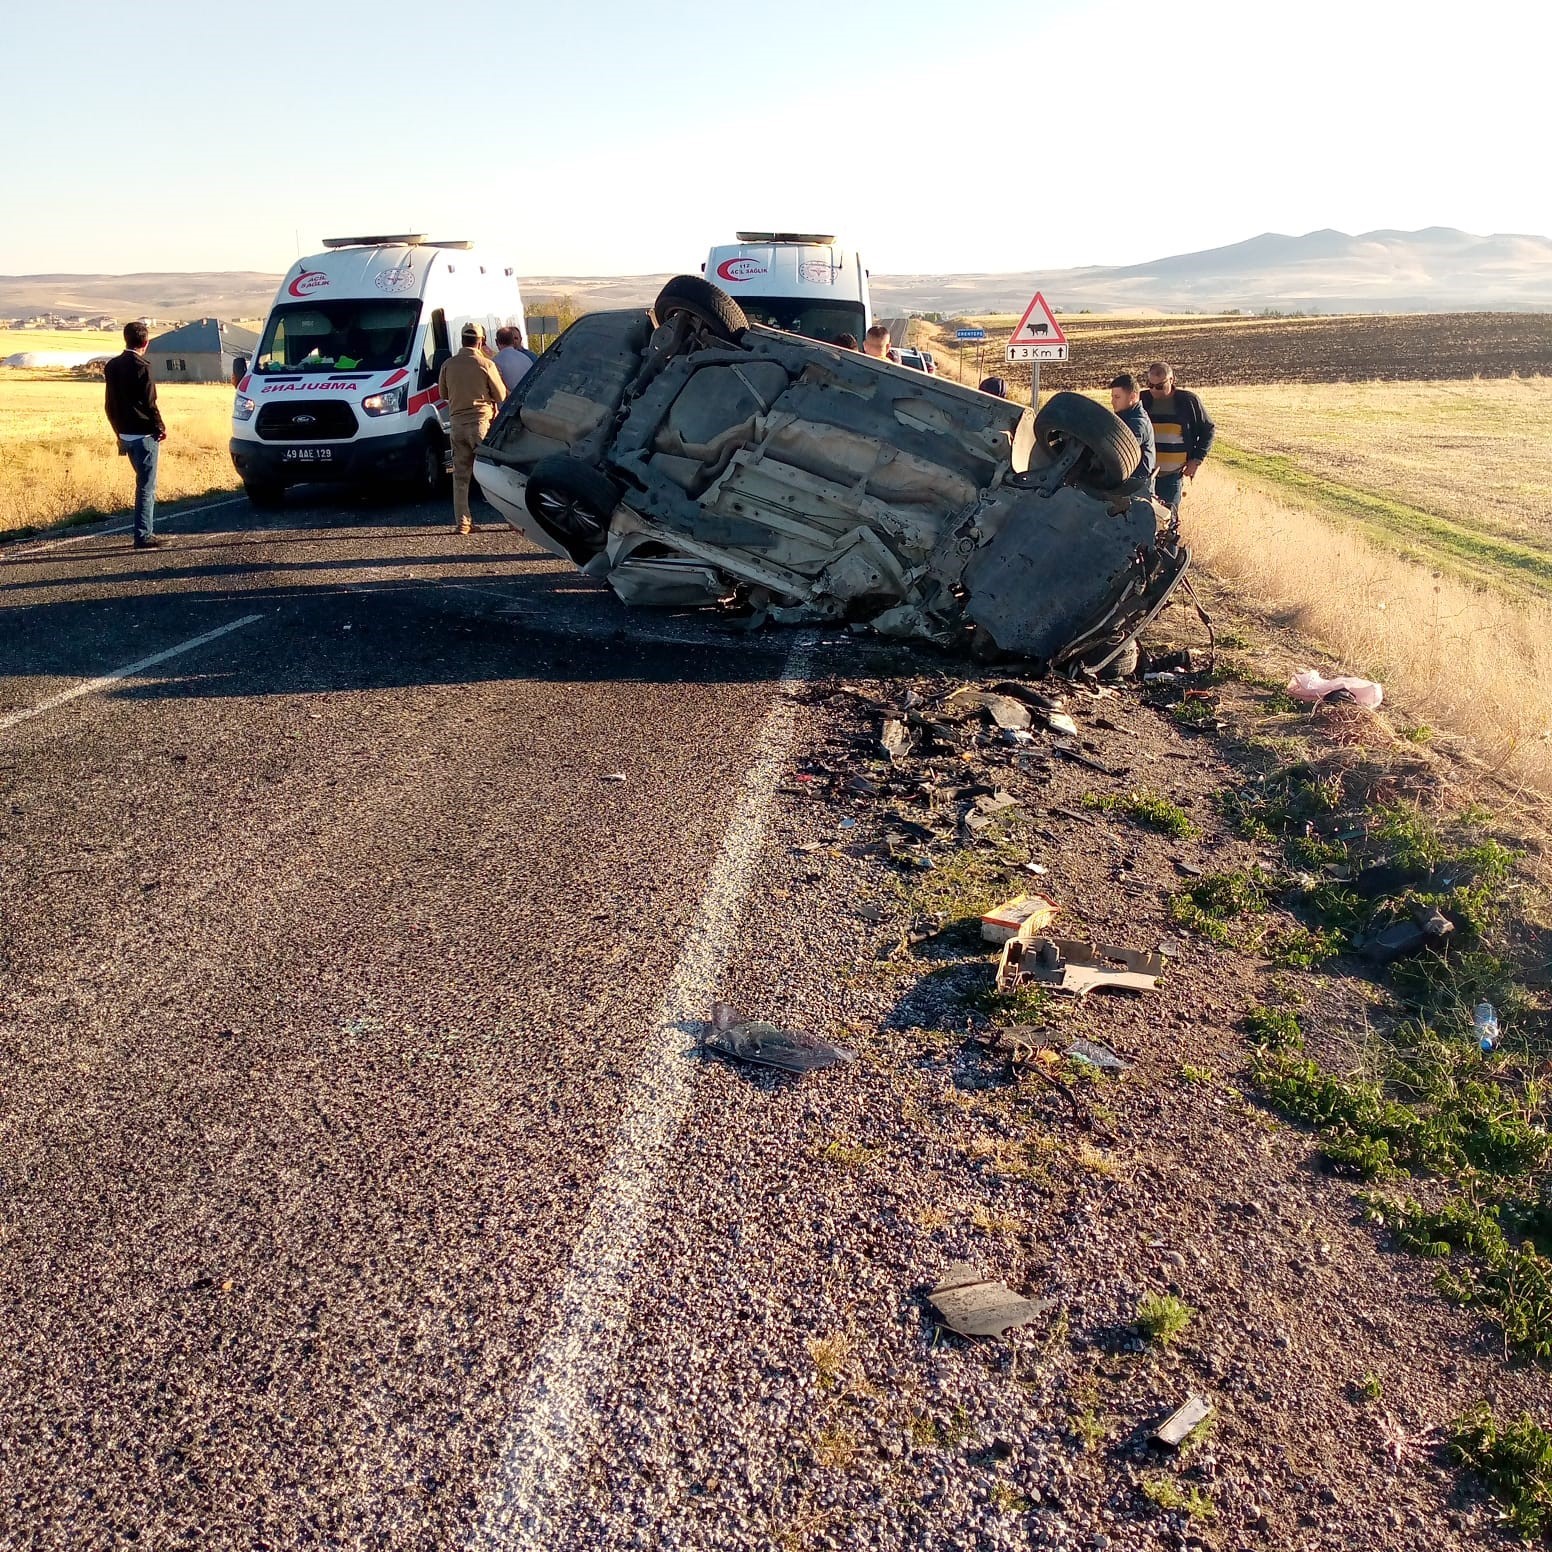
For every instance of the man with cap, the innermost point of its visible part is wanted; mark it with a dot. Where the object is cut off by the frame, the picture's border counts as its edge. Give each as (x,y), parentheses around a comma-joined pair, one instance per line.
(474,392)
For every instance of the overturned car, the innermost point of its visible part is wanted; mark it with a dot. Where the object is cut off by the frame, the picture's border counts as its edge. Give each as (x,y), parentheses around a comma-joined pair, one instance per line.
(688,457)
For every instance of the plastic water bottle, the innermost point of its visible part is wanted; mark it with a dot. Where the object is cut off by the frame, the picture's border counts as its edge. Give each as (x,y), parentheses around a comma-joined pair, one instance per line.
(1486,1021)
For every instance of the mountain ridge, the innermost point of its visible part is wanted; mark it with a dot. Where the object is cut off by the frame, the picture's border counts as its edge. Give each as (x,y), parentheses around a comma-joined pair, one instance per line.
(1435,269)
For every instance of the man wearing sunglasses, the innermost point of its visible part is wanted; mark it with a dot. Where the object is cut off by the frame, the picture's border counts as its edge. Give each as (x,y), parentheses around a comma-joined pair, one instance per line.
(1181,430)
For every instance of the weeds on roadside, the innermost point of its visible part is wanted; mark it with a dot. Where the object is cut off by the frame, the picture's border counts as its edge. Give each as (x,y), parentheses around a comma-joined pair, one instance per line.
(1516,1461)
(1275,1028)
(1191,1073)
(1212,903)
(1161,1317)
(1147,808)
(1168,1494)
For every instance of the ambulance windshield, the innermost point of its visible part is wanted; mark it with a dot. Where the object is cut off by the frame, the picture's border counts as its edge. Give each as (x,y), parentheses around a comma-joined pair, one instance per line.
(343,336)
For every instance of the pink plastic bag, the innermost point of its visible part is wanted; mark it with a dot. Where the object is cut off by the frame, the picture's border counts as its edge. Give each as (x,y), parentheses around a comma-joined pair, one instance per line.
(1307,685)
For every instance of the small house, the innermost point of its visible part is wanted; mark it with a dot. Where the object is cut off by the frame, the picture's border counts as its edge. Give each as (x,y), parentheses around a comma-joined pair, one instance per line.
(199,352)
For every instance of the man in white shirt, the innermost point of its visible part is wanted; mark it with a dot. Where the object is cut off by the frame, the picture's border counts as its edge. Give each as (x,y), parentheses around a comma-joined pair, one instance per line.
(512,360)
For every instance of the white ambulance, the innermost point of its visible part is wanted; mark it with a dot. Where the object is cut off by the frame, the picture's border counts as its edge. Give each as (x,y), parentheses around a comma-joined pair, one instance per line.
(343,384)
(798,281)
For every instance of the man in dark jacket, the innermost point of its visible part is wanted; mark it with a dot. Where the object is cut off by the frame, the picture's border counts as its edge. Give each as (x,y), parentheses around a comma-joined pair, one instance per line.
(137,422)
(1125,401)
(1180,427)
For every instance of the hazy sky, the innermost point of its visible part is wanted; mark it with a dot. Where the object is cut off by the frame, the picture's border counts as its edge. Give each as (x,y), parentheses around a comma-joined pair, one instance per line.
(619,136)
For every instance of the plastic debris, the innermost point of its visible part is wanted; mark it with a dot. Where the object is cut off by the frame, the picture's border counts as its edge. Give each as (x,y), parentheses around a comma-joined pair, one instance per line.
(974,1305)
(1077,968)
(1015,915)
(1307,685)
(1097,1055)
(1485,1021)
(768,1045)
(1179,1425)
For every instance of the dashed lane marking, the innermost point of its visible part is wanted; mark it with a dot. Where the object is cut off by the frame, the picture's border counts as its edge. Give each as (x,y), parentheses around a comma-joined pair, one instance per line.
(568,1382)
(89,686)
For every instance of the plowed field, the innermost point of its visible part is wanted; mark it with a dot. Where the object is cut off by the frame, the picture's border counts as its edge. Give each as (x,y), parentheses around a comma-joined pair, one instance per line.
(1233,350)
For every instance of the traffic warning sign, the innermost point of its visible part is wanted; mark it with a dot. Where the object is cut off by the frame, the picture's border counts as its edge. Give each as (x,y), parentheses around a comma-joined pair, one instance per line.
(1038,336)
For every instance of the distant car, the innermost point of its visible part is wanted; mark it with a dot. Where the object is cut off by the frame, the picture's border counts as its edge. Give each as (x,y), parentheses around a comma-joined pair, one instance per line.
(910,356)
(688,457)
(932,365)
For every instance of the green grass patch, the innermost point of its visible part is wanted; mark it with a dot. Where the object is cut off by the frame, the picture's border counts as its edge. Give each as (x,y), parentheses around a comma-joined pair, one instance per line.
(1189,1500)
(1302,948)
(1401,527)
(1515,1459)
(1212,903)
(1148,808)
(1161,1317)
(1275,1028)
(1190,1073)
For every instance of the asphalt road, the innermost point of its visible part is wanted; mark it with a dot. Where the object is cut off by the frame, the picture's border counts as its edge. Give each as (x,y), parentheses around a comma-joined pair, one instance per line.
(327,956)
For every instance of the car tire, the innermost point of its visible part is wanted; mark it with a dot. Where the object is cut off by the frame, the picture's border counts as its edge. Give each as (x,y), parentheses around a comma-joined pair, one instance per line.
(572,502)
(433,467)
(1076,418)
(709,305)
(266,495)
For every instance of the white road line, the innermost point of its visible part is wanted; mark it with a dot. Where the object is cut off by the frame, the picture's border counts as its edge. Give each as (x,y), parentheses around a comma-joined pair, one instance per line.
(10,719)
(568,1382)
(107,533)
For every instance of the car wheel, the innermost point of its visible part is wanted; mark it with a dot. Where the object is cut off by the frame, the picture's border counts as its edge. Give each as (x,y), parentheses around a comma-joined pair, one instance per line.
(264,494)
(710,306)
(433,474)
(572,502)
(1073,417)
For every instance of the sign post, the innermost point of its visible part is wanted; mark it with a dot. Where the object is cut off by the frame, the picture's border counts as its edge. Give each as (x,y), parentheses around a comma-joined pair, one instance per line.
(962,335)
(1037,338)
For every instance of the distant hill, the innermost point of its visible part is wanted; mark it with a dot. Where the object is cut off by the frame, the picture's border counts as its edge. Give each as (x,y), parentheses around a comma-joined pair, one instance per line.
(1435,270)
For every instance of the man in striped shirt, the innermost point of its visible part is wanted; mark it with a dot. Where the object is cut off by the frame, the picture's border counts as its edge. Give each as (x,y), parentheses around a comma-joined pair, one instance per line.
(1181,430)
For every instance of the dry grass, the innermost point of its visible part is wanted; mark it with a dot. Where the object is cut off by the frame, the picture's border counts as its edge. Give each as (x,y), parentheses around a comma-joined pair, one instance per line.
(1454,655)
(93,341)
(58,459)
(1472,452)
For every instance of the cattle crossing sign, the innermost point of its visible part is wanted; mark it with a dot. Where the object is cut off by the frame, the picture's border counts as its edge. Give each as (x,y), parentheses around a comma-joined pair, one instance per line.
(1038,336)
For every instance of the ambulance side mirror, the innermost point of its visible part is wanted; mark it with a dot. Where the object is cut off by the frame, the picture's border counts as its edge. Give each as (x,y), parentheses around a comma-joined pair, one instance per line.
(239,369)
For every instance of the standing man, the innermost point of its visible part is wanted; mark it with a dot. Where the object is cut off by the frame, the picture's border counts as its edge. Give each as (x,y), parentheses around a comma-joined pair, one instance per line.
(137,422)
(472,387)
(512,359)
(1126,401)
(1181,428)
(875,343)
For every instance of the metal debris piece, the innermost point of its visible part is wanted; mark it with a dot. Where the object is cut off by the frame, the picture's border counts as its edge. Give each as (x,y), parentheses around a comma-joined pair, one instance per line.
(1077,968)
(613,776)
(1031,912)
(1060,722)
(1078,757)
(768,1045)
(1005,711)
(974,1305)
(1177,1427)
(1097,1055)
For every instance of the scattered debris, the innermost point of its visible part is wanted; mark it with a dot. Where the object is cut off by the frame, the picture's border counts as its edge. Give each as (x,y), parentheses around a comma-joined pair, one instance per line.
(1429,928)
(1005,711)
(1077,968)
(974,1305)
(894,740)
(1078,757)
(1307,685)
(613,776)
(1060,722)
(1096,1055)
(1180,1423)
(768,1045)
(1012,916)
